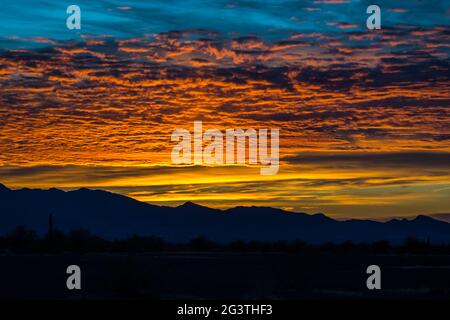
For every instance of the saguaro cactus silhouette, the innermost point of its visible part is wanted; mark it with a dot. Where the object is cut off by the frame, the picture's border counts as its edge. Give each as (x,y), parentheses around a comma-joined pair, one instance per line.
(50,232)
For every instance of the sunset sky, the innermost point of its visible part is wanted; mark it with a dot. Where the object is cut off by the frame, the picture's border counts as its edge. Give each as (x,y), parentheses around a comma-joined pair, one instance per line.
(363,115)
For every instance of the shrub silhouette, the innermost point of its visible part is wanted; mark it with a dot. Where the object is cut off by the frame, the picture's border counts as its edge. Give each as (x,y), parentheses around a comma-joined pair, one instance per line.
(201,243)
(82,241)
(25,240)
(136,243)
(414,245)
(22,239)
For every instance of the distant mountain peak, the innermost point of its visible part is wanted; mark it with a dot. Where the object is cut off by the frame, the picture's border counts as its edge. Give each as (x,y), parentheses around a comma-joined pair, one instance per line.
(190,204)
(320,215)
(4,188)
(422,217)
(85,190)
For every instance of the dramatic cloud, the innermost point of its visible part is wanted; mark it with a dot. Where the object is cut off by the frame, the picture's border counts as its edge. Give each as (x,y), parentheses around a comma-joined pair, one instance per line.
(425,160)
(363,114)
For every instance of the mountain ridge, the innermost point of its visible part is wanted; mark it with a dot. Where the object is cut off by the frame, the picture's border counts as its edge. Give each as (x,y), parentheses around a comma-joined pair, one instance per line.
(113,216)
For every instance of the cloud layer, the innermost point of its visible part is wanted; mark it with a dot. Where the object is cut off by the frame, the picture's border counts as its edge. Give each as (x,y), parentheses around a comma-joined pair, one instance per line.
(363,115)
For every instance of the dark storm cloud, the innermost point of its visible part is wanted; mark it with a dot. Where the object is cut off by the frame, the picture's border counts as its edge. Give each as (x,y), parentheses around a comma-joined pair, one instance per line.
(430,160)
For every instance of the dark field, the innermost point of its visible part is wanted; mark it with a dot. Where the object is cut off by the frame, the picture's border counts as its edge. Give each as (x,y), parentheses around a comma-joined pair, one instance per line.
(224,276)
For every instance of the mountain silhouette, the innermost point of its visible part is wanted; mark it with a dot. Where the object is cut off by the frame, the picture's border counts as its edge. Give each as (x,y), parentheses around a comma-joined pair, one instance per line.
(116,216)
